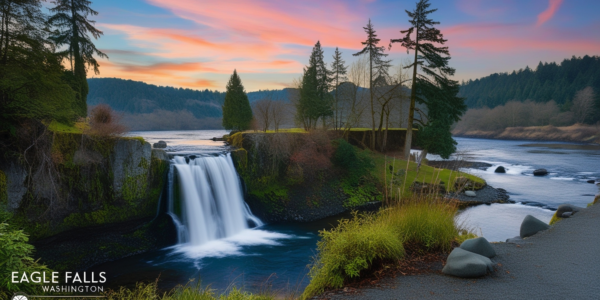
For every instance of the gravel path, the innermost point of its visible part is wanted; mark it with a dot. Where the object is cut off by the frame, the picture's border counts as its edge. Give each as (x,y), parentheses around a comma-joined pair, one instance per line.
(560,263)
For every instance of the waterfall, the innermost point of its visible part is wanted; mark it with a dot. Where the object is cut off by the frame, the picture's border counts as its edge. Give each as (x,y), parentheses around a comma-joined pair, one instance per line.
(206,200)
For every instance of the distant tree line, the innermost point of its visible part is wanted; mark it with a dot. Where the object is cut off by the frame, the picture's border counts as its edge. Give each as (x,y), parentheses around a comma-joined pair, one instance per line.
(135,97)
(548,82)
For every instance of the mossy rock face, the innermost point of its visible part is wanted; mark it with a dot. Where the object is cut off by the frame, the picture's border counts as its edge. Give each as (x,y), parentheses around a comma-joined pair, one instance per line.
(97,182)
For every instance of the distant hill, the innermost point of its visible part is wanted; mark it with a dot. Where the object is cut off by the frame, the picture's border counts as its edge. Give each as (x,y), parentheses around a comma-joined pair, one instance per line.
(150,107)
(549,81)
(135,97)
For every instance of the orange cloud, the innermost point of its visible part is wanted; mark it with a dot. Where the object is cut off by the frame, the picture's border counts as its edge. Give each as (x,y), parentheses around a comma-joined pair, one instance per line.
(549,12)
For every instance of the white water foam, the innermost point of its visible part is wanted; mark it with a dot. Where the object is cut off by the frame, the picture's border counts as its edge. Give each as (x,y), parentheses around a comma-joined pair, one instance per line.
(232,246)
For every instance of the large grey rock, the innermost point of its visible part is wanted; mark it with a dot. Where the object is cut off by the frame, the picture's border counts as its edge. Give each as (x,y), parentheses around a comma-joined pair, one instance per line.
(15,184)
(160,144)
(131,165)
(540,172)
(480,246)
(462,263)
(566,208)
(470,193)
(531,225)
(500,169)
(160,154)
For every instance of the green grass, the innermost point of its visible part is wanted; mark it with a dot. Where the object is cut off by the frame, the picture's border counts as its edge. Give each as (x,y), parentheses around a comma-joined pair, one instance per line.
(405,173)
(137,138)
(301,130)
(78,127)
(421,224)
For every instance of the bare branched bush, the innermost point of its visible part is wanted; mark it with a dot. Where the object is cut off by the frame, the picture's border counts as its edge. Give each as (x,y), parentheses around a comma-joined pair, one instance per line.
(104,122)
(583,105)
(261,111)
(313,154)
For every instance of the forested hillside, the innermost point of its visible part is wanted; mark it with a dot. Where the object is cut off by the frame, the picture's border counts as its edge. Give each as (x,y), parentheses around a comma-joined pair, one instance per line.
(135,97)
(549,81)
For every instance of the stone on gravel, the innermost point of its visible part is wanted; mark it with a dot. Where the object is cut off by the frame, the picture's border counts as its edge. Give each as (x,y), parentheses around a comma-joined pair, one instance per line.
(532,225)
(564,208)
(566,214)
(470,193)
(466,264)
(480,246)
(540,172)
(500,169)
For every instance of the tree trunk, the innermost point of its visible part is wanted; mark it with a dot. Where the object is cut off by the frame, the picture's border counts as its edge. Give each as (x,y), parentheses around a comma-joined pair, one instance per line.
(371,93)
(421,158)
(411,110)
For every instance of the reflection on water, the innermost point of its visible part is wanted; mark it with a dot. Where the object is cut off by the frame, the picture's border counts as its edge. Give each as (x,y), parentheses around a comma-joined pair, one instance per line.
(498,222)
(186,142)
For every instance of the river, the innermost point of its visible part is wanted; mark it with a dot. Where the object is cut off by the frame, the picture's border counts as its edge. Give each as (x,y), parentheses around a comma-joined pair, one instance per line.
(278,255)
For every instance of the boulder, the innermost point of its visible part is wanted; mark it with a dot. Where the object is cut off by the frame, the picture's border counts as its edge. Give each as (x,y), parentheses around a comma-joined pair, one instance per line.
(470,193)
(540,172)
(531,225)
(466,264)
(591,181)
(480,246)
(500,169)
(160,145)
(566,208)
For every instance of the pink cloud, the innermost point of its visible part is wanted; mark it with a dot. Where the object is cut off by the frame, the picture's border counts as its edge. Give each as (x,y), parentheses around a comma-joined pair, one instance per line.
(549,12)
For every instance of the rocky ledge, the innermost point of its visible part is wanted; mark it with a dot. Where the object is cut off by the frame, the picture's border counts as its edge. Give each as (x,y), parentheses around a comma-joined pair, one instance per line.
(486,195)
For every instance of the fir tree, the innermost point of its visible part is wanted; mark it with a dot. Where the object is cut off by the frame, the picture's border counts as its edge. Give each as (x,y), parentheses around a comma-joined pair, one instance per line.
(433,62)
(377,63)
(339,71)
(237,113)
(307,108)
(31,75)
(324,101)
(71,17)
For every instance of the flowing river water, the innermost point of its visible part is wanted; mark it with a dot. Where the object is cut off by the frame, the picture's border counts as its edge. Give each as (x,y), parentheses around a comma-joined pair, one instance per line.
(278,255)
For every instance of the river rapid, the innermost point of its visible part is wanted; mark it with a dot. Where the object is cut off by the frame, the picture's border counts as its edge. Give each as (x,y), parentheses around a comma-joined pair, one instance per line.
(278,255)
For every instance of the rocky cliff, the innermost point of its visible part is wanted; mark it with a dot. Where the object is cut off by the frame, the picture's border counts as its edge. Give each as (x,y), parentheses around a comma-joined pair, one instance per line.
(84,200)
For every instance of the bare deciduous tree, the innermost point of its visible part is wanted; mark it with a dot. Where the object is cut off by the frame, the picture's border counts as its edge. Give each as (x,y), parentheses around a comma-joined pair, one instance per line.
(583,104)
(261,110)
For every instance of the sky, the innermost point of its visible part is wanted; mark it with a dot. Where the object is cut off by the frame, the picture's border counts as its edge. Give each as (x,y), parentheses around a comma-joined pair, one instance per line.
(198,43)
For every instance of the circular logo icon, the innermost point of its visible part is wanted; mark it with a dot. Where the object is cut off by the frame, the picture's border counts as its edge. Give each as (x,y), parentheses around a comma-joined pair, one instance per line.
(19,296)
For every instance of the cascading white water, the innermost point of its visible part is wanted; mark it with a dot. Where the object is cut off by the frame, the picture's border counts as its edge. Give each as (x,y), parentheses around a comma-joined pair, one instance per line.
(211,200)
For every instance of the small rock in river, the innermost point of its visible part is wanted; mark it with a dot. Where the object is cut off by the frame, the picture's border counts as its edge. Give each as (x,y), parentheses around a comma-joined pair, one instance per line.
(540,172)
(500,169)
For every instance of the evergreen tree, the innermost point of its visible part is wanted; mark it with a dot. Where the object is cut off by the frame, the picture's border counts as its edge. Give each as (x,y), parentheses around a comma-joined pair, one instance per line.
(433,62)
(339,71)
(324,101)
(377,63)
(237,113)
(71,17)
(31,75)
(308,109)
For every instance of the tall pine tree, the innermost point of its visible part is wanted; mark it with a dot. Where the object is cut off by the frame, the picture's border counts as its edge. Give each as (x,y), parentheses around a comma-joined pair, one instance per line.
(324,99)
(433,80)
(237,113)
(339,71)
(377,63)
(71,17)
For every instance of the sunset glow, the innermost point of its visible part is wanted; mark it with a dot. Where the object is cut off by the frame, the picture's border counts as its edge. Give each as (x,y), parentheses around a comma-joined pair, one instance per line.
(197,44)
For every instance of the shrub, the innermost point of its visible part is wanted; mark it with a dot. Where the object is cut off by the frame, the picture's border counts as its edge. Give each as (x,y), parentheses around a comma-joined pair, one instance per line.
(425,224)
(313,154)
(350,248)
(15,256)
(356,164)
(104,122)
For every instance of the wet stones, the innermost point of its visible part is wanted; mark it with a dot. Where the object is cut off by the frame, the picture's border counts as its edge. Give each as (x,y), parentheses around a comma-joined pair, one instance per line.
(540,172)
(466,264)
(500,169)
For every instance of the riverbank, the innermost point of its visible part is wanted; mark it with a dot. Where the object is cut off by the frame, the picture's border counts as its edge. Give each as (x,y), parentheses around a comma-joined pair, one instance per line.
(575,133)
(560,262)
